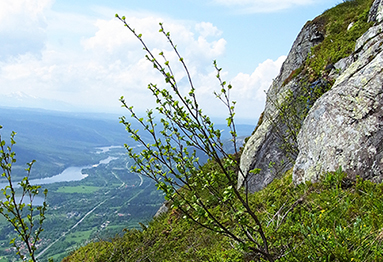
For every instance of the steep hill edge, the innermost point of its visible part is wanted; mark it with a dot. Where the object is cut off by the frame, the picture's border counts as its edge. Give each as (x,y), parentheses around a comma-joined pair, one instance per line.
(323,51)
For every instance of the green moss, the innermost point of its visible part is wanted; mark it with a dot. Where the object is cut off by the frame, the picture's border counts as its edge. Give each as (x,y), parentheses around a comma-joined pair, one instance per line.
(338,42)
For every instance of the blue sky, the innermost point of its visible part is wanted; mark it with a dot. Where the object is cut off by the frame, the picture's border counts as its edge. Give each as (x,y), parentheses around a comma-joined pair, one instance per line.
(76,56)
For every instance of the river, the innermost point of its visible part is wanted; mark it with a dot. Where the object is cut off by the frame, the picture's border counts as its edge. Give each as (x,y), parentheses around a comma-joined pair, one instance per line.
(72,173)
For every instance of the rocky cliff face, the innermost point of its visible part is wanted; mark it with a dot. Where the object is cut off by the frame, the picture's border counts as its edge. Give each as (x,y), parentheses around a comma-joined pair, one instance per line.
(342,128)
(262,150)
(376,12)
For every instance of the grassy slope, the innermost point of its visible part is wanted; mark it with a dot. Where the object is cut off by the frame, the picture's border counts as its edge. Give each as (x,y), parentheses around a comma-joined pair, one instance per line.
(338,42)
(333,220)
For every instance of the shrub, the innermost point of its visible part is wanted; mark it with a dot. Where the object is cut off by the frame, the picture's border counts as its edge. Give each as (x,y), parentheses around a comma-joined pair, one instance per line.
(21,216)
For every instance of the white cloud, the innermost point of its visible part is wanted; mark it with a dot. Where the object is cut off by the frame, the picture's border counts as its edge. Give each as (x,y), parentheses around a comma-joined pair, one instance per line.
(22,26)
(207,29)
(263,6)
(31,11)
(105,61)
(116,41)
(250,89)
(96,71)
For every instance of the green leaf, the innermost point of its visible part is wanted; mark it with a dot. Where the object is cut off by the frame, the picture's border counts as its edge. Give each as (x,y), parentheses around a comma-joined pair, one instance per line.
(255,171)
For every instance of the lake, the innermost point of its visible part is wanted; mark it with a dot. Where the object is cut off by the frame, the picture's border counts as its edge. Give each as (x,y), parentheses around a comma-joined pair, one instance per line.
(37,200)
(72,173)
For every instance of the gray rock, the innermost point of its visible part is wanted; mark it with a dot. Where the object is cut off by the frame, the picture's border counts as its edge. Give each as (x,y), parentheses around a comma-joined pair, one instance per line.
(341,66)
(309,36)
(376,12)
(163,209)
(262,150)
(344,128)
(350,26)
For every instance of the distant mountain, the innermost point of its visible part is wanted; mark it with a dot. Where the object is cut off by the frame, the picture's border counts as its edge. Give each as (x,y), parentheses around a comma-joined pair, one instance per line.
(20,99)
(57,139)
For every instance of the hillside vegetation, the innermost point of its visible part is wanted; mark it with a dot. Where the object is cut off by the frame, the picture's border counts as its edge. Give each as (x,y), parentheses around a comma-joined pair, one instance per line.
(335,219)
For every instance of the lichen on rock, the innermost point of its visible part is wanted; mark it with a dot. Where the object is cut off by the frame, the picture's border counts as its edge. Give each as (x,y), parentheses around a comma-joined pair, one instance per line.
(344,128)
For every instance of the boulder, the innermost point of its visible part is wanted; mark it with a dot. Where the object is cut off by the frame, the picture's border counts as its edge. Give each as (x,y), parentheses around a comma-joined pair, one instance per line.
(344,128)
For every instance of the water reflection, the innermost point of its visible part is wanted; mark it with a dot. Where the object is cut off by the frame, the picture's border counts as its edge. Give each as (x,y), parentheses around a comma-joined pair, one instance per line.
(72,173)
(37,200)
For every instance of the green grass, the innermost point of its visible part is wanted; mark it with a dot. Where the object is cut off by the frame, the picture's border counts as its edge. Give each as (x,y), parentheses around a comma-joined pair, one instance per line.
(59,256)
(78,189)
(336,219)
(79,236)
(338,42)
